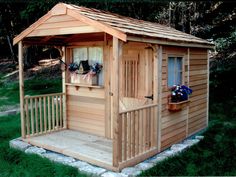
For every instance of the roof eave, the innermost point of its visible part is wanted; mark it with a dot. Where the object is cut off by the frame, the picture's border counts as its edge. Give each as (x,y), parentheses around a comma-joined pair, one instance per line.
(207,45)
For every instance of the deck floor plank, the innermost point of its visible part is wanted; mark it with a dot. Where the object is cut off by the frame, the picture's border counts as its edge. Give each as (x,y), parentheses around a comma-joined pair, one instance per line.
(84,146)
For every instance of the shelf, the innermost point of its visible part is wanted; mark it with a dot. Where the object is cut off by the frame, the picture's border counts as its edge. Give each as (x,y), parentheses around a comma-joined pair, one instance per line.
(83,85)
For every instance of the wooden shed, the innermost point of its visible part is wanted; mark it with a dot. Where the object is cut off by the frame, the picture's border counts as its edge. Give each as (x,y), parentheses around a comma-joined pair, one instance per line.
(123,114)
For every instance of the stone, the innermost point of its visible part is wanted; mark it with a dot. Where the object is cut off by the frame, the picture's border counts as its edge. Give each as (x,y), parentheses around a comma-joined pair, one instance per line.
(144,166)
(168,153)
(35,150)
(179,147)
(58,158)
(131,171)
(90,169)
(156,159)
(191,142)
(78,164)
(113,174)
(18,144)
(199,137)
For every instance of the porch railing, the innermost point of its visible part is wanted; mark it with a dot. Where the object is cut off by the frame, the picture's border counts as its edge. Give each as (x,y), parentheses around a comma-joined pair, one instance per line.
(43,113)
(137,132)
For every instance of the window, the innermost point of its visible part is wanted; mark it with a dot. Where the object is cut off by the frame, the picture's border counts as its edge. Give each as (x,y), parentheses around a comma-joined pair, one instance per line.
(93,55)
(175,71)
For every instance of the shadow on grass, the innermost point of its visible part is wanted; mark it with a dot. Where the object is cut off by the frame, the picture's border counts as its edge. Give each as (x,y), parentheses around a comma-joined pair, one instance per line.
(16,163)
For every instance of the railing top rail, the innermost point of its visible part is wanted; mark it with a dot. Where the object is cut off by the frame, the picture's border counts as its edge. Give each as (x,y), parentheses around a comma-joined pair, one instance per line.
(138,108)
(45,95)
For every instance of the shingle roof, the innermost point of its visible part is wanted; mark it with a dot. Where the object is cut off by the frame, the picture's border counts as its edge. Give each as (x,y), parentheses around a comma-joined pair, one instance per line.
(135,26)
(116,25)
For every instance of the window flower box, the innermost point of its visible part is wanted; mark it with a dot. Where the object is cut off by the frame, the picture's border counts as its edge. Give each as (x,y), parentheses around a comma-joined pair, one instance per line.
(178,99)
(172,106)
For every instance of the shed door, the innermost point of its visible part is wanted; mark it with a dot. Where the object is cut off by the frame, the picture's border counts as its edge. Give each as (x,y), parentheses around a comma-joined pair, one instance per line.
(137,78)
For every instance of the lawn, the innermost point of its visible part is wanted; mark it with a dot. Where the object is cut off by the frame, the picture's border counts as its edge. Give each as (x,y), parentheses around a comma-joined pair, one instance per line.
(16,163)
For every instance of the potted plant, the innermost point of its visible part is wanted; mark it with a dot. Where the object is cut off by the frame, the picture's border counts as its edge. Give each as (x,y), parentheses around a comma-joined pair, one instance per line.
(178,97)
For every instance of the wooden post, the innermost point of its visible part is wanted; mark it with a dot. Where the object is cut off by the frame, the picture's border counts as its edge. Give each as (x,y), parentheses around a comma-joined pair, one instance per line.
(64,88)
(21,86)
(117,53)
(159,98)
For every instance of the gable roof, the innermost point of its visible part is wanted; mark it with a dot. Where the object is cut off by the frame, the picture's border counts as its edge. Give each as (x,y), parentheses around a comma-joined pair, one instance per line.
(115,25)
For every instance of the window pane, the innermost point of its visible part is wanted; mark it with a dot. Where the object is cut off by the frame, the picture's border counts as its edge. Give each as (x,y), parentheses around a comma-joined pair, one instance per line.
(79,54)
(171,71)
(179,71)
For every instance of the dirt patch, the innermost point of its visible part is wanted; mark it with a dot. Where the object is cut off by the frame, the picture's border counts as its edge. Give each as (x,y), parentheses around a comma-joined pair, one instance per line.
(51,70)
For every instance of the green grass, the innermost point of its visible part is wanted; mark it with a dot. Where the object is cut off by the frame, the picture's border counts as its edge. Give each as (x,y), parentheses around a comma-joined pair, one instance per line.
(9,91)
(215,155)
(15,163)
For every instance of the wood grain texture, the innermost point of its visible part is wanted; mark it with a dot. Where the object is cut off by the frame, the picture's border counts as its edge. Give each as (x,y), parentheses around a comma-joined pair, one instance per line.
(21,86)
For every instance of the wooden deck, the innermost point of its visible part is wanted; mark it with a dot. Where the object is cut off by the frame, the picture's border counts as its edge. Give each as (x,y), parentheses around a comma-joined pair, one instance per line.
(90,148)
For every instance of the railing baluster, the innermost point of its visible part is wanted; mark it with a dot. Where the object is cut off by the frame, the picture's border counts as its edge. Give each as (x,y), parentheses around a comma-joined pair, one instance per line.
(151,127)
(124,116)
(133,132)
(45,114)
(129,135)
(49,114)
(61,113)
(32,115)
(53,114)
(120,139)
(57,119)
(36,115)
(27,116)
(136,131)
(40,115)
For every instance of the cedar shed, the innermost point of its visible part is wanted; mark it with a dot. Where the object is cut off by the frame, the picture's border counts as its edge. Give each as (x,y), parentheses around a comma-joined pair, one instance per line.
(123,114)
